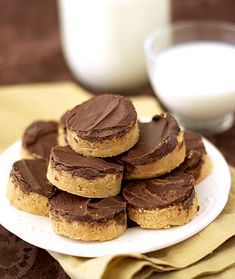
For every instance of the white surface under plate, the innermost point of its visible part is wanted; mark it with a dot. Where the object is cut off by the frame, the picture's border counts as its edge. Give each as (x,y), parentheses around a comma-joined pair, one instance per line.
(213,194)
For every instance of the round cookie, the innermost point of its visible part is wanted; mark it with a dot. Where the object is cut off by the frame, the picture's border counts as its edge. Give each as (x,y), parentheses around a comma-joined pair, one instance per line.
(84,176)
(160,149)
(88,219)
(62,132)
(38,139)
(28,188)
(162,202)
(104,126)
(197,162)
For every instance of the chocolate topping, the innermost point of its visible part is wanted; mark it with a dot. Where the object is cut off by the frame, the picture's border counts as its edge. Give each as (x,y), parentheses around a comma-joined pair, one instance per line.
(194,143)
(40,137)
(64,158)
(172,189)
(157,139)
(195,150)
(102,117)
(77,208)
(31,176)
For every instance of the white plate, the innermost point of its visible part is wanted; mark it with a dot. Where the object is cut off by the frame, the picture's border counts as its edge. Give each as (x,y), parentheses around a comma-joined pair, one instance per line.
(213,194)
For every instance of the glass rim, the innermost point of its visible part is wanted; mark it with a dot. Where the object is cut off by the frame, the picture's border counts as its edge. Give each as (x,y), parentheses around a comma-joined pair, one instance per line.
(180,25)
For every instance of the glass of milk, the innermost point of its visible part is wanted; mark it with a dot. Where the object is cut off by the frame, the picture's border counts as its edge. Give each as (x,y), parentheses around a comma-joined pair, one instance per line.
(191,68)
(103,40)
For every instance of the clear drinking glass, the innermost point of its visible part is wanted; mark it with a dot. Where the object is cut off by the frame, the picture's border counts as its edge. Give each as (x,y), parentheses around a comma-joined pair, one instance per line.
(191,69)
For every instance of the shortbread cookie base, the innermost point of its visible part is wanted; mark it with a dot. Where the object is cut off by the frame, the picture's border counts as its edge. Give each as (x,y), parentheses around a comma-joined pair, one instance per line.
(175,215)
(61,137)
(88,231)
(100,187)
(205,168)
(104,148)
(159,167)
(29,202)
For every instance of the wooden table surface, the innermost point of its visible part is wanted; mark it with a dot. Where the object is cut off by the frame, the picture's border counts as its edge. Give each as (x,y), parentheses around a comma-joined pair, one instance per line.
(30,52)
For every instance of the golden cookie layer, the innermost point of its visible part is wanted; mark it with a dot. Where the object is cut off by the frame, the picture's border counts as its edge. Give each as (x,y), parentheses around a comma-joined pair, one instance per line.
(175,215)
(88,231)
(100,187)
(106,147)
(31,202)
(158,167)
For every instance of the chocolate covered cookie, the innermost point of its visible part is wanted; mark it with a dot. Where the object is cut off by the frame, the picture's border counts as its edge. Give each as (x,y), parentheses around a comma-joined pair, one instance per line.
(28,188)
(104,126)
(84,176)
(88,219)
(162,202)
(159,150)
(197,162)
(38,139)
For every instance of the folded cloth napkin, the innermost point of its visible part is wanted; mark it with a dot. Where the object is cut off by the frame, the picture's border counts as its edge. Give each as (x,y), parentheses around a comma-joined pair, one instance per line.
(208,254)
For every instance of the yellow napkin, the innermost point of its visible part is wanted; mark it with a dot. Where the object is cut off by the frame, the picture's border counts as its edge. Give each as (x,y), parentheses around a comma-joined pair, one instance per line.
(209,254)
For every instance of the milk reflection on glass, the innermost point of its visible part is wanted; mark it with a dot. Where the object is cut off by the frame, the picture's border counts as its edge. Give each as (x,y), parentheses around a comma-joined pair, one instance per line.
(196,81)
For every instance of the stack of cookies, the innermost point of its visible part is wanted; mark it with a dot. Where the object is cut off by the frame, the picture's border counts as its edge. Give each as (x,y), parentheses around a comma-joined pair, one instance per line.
(100,166)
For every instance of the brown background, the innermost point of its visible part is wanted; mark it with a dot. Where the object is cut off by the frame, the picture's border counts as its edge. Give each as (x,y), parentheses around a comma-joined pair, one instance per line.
(30,51)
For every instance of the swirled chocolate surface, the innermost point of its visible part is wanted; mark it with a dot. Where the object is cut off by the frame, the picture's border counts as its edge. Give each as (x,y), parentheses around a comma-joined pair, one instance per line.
(31,176)
(157,139)
(102,117)
(195,150)
(75,208)
(64,158)
(172,189)
(40,137)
